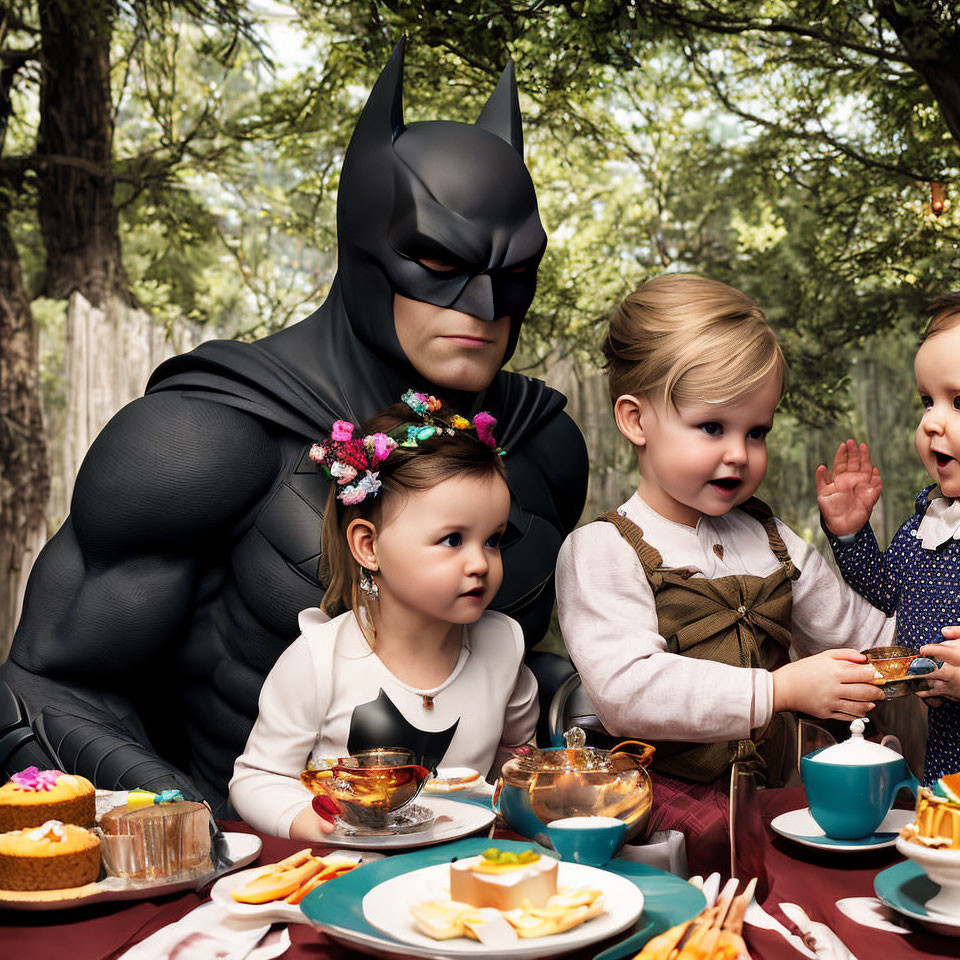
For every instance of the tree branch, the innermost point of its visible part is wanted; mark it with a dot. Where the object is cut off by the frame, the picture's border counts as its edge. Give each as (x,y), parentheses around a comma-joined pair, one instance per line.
(823,137)
(726,24)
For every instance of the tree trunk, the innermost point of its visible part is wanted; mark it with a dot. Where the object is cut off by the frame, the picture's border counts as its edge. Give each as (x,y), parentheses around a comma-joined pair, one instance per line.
(76,209)
(934,50)
(25,478)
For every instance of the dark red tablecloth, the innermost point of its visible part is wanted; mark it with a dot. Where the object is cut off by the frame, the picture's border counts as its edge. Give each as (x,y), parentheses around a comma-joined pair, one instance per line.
(815,879)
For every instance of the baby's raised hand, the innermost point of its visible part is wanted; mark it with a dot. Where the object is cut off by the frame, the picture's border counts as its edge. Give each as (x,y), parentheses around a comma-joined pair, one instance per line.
(833,684)
(847,495)
(946,681)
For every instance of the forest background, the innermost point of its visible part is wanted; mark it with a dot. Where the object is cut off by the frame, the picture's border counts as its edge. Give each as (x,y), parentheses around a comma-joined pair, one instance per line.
(168,173)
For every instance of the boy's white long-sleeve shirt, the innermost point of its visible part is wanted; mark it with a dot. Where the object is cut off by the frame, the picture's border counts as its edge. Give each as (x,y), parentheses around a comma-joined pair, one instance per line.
(609,622)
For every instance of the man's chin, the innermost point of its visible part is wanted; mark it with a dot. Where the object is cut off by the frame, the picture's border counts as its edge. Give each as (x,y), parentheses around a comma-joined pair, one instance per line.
(459,376)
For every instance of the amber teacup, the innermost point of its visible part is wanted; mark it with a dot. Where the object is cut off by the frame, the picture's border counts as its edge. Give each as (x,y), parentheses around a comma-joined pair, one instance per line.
(361,792)
(899,670)
(889,663)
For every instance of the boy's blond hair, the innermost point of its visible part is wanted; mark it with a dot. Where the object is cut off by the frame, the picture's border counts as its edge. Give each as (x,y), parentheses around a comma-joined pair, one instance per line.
(692,339)
(944,314)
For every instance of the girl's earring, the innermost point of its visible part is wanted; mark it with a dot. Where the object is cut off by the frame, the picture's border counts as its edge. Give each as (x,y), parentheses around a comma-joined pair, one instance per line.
(368,585)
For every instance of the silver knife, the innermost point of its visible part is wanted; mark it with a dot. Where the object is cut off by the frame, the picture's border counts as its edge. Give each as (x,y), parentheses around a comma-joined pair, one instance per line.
(756,916)
(827,945)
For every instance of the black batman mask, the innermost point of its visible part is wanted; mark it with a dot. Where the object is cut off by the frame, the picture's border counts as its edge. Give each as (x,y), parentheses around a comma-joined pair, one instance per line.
(454,192)
(439,191)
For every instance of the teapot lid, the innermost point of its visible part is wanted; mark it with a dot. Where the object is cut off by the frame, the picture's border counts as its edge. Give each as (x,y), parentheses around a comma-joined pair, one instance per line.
(574,756)
(857,751)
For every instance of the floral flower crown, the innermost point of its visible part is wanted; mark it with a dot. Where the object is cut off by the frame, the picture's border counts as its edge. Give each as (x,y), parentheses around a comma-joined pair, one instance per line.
(354,461)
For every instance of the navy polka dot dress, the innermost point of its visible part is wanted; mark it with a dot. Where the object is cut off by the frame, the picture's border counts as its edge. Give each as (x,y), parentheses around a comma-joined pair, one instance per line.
(923,588)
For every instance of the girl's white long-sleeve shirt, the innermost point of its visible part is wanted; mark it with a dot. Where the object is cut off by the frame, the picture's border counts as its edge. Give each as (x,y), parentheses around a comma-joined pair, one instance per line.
(309,697)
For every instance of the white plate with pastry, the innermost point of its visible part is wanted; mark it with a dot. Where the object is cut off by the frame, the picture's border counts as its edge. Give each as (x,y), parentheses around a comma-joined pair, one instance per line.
(452,780)
(242,848)
(276,909)
(388,908)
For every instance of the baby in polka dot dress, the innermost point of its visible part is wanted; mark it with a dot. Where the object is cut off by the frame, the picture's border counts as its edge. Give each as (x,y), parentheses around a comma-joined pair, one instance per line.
(918,575)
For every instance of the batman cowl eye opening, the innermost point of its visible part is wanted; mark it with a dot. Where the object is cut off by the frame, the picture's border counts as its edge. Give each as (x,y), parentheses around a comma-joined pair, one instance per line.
(436,264)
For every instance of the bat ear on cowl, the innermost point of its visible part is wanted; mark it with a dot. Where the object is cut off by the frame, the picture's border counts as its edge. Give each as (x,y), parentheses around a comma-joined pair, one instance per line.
(501,113)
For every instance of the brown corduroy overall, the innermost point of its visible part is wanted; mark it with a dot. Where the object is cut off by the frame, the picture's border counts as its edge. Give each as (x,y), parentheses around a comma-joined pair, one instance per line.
(742,620)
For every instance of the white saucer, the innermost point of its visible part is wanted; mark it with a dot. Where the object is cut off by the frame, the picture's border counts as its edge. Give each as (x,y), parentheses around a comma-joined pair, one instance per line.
(799,826)
(453,820)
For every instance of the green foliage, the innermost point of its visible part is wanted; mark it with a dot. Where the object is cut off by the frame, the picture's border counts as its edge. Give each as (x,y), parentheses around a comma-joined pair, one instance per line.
(785,148)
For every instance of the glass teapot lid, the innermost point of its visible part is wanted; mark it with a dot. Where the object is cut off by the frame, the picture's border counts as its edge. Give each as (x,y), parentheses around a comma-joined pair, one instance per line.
(575,755)
(856,751)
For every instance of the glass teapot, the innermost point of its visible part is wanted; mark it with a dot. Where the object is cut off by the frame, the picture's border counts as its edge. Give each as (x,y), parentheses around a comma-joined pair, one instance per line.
(576,781)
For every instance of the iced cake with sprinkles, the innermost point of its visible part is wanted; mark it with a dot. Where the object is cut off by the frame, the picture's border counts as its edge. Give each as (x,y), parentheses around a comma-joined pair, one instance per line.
(33,797)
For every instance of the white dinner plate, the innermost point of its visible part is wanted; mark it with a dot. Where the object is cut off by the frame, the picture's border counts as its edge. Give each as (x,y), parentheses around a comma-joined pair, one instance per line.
(274,911)
(453,820)
(387,907)
(799,826)
(242,848)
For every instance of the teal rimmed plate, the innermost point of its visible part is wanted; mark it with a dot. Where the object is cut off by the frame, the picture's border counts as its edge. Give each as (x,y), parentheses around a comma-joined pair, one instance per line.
(907,889)
(336,908)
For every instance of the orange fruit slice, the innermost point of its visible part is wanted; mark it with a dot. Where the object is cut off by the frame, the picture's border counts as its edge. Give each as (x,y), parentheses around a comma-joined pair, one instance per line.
(950,785)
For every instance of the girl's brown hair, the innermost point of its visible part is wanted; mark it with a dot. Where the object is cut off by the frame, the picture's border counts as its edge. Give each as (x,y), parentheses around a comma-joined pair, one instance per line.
(690,339)
(418,468)
(944,314)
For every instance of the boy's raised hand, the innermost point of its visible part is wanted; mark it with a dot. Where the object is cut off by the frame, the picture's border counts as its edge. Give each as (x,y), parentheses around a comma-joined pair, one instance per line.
(830,685)
(847,495)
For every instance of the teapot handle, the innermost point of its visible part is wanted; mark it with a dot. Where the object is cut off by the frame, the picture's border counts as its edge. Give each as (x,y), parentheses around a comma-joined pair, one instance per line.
(910,782)
(637,749)
(495,799)
(893,743)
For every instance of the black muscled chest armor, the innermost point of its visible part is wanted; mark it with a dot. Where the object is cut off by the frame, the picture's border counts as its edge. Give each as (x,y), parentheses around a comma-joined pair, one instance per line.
(152,617)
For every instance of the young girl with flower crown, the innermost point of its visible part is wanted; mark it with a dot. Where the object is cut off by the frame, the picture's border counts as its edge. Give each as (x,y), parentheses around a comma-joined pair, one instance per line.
(411,540)
(680,608)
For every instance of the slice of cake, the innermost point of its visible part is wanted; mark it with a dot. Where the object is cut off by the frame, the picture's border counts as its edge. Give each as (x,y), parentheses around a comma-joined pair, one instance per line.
(53,856)
(33,797)
(503,879)
(937,823)
(166,840)
(501,896)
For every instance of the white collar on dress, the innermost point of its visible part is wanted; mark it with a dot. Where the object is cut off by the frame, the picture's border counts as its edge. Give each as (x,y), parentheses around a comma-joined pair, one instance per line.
(940,523)
(638,506)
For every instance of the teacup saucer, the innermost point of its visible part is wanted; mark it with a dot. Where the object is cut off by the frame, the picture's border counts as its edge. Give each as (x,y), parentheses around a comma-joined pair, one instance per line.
(799,826)
(407,820)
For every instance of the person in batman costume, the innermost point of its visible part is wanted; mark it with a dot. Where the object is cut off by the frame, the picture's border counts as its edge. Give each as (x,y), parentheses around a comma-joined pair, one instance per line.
(153,615)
